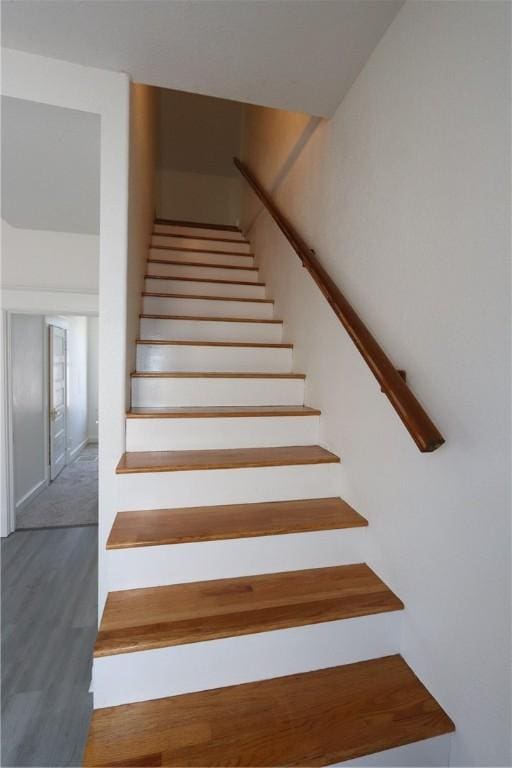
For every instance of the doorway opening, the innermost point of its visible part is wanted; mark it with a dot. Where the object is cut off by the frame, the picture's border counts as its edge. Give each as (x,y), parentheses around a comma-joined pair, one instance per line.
(54,412)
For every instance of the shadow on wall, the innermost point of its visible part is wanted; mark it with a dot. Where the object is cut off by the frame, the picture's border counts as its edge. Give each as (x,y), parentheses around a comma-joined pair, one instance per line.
(196,179)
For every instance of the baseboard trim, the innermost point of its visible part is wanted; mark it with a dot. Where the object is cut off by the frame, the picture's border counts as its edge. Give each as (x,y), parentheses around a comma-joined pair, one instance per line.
(76,451)
(35,491)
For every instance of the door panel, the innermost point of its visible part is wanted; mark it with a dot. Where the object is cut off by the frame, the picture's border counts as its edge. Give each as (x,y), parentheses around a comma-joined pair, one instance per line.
(57,400)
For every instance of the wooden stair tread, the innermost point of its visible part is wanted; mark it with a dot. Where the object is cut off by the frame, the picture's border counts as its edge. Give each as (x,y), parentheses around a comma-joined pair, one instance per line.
(225,458)
(210,298)
(197,250)
(202,280)
(200,237)
(214,375)
(193,343)
(230,521)
(200,224)
(158,617)
(309,719)
(220,411)
(210,319)
(201,264)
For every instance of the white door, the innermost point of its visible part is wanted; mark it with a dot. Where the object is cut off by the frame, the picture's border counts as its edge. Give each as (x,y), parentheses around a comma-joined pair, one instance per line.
(57,430)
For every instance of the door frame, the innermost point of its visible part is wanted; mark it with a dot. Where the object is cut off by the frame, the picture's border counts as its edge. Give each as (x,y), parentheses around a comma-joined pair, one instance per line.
(48,365)
(8,410)
(8,447)
(51,317)
(89,89)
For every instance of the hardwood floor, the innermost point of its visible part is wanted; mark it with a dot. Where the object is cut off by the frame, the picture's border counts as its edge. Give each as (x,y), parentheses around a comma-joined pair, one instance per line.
(194,297)
(200,264)
(152,527)
(198,250)
(316,718)
(221,411)
(207,318)
(213,375)
(49,620)
(157,617)
(226,458)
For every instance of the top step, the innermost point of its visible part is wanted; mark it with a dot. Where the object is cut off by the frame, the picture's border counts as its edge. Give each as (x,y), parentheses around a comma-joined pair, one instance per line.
(191,229)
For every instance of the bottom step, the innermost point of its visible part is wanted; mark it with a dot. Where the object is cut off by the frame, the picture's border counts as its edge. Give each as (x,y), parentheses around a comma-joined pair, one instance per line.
(317,718)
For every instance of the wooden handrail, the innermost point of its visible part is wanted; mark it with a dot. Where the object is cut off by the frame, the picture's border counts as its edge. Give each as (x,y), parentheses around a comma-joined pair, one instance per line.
(422,430)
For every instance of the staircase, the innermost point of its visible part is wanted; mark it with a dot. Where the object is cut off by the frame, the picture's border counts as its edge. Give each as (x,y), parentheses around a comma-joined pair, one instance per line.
(242,625)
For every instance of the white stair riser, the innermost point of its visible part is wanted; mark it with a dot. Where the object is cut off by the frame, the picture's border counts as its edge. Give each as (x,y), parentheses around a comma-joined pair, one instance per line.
(207,330)
(144,675)
(190,231)
(209,433)
(204,258)
(164,357)
(198,273)
(139,567)
(197,488)
(193,288)
(170,392)
(429,753)
(161,305)
(201,245)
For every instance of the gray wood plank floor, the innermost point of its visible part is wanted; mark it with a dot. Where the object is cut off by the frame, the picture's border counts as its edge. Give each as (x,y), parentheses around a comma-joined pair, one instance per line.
(49,623)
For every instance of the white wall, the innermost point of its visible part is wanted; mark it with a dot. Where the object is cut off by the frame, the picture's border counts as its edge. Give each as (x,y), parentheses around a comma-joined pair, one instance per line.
(188,196)
(143,152)
(50,167)
(92,379)
(45,260)
(198,137)
(29,410)
(404,195)
(272,139)
(105,93)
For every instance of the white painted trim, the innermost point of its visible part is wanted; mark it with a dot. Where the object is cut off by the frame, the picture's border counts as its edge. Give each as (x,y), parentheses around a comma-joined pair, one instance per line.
(140,567)
(60,322)
(48,373)
(196,488)
(143,675)
(238,432)
(429,753)
(46,406)
(161,357)
(107,93)
(31,289)
(11,507)
(30,495)
(49,302)
(161,392)
(72,455)
(9,516)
